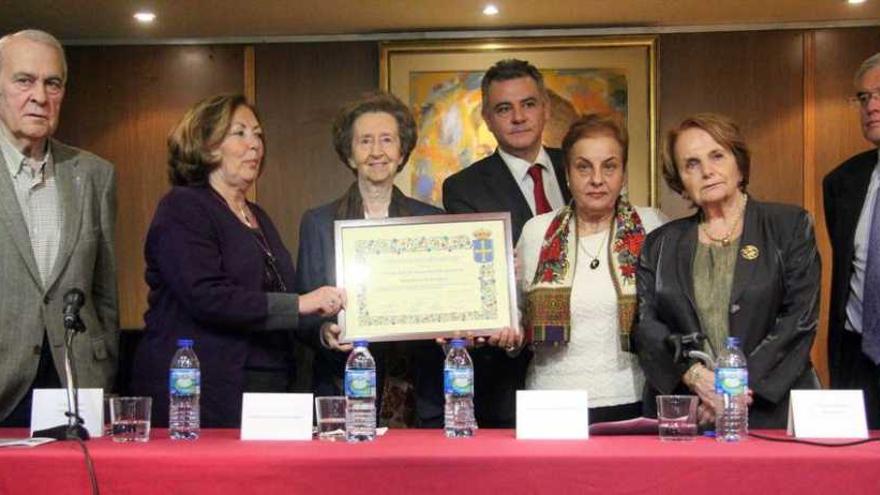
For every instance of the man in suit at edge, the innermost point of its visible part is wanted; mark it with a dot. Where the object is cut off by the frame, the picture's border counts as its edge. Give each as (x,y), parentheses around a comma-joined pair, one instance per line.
(57,215)
(522,177)
(851,215)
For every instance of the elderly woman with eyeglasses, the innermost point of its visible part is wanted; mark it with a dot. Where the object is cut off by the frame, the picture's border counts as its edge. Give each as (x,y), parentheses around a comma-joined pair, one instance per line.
(217,270)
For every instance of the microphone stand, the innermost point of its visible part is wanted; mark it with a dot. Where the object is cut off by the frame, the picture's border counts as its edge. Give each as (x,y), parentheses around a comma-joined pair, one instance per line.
(74,430)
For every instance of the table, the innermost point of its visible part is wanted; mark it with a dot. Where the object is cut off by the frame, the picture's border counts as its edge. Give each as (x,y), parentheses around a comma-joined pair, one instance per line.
(423,461)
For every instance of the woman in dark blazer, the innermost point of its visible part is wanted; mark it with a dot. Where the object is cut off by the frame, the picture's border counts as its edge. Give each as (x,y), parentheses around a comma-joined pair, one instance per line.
(373,137)
(217,270)
(738,267)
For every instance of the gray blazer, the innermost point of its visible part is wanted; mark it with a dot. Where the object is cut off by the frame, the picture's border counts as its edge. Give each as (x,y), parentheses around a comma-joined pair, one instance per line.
(86,260)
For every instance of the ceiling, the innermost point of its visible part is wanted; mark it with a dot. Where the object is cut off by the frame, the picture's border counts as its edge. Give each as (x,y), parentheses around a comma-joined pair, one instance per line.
(111,20)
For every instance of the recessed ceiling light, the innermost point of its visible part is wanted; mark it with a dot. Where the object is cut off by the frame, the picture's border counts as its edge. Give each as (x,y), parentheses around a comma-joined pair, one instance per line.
(855,1)
(490,10)
(145,17)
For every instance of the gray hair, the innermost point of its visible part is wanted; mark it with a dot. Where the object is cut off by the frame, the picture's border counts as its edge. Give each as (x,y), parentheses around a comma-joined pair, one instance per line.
(36,36)
(870,63)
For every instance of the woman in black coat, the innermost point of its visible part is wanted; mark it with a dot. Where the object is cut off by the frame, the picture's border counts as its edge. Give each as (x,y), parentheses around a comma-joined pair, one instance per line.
(738,267)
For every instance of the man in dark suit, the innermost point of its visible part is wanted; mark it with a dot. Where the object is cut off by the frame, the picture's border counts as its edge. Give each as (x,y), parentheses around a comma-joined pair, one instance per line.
(522,177)
(57,216)
(853,221)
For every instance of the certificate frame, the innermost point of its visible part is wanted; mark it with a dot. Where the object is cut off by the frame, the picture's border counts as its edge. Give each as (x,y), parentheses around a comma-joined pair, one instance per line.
(394,269)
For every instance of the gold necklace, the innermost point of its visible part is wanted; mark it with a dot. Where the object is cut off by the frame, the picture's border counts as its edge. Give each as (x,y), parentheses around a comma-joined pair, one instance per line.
(244,215)
(726,238)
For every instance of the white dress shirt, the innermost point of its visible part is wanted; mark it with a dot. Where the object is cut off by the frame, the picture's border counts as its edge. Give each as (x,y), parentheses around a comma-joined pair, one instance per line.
(520,170)
(37,196)
(860,255)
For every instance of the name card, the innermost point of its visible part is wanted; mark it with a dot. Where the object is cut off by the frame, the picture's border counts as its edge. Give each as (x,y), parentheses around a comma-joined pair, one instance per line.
(276,417)
(827,414)
(50,405)
(552,415)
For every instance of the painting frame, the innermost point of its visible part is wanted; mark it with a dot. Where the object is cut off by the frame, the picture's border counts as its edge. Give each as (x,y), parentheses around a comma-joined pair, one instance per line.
(636,56)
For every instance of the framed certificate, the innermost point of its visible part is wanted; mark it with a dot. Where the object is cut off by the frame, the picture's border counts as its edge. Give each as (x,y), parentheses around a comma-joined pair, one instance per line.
(425,277)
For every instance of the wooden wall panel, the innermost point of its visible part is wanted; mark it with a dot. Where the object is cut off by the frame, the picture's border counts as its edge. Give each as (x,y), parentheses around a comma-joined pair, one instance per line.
(755,78)
(120,104)
(838,52)
(299,89)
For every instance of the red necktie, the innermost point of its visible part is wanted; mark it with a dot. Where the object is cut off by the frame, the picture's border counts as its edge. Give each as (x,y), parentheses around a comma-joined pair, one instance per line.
(541,203)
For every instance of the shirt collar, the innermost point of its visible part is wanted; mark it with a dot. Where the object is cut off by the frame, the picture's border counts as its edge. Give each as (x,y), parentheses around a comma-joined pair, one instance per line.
(15,159)
(519,167)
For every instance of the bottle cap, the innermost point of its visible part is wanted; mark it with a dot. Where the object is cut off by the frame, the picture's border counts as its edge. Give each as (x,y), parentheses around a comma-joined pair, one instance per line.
(361,343)
(732,342)
(457,342)
(184,342)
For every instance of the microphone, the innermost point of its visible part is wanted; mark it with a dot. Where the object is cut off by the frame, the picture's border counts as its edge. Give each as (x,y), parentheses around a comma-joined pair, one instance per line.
(73,302)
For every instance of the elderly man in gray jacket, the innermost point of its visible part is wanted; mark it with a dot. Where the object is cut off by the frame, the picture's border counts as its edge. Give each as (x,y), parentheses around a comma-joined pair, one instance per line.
(57,215)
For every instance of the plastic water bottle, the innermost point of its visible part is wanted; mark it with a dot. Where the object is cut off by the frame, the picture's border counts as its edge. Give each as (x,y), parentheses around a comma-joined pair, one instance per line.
(360,394)
(458,385)
(731,385)
(184,385)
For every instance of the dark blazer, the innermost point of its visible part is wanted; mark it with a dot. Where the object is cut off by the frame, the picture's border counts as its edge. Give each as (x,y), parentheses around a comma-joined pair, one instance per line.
(844,191)
(205,271)
(317,267)
(86,186)
(488,186)
(774,305)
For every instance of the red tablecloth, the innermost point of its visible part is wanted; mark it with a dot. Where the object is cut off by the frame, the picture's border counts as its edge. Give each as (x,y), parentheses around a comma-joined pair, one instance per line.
(423,461)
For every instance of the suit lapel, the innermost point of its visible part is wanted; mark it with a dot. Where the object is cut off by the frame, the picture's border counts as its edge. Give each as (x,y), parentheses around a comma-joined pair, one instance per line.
(502,183)
(11,216)
(684,252)
(852,196)
(749,255)
(70,184)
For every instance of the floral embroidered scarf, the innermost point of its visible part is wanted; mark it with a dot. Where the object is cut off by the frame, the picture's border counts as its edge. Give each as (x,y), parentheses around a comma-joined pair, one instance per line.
(548,299)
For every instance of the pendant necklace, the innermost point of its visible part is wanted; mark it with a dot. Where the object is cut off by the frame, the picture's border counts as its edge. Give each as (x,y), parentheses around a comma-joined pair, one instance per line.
(727,237)
(594,258)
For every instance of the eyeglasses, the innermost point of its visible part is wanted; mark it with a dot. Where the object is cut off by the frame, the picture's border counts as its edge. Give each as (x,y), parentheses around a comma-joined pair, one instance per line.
(863,98)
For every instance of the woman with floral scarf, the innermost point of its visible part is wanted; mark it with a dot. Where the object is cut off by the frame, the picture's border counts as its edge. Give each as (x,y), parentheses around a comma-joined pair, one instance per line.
(577,279)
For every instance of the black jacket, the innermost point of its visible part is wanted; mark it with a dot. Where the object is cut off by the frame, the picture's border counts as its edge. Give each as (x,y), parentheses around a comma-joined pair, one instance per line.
(844,191)
(774,305)
(488,186)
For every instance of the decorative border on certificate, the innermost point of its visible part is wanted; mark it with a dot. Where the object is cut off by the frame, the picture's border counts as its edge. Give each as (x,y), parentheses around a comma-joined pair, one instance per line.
(425,277)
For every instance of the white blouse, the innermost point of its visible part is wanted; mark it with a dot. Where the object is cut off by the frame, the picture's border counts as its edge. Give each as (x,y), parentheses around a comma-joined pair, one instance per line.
(592,359)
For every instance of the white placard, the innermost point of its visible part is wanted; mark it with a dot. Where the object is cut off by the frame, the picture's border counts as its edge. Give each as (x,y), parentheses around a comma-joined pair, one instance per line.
(50,404)
(552,415)
(827,414)
(276,417)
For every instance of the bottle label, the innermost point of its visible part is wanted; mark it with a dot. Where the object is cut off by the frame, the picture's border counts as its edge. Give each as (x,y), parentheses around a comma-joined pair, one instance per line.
(458,382)
(360,384)
(184,382)
(731,381)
